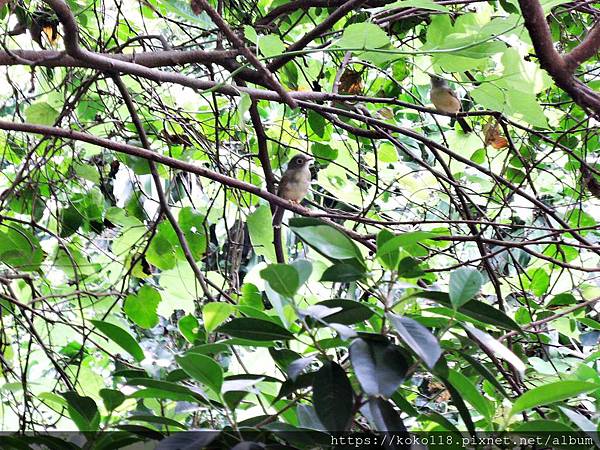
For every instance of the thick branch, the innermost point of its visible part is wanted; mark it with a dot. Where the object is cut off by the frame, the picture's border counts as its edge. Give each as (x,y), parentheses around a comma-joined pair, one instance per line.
(52,58)
(560,69)
(239,44)
(176,164)
(586,49)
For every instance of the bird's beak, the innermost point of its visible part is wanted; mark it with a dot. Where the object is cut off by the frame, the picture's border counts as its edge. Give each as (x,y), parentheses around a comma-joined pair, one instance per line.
(311,160)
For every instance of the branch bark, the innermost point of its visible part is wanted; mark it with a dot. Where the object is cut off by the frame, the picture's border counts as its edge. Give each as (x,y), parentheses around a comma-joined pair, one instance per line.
(561,68)
(179,165)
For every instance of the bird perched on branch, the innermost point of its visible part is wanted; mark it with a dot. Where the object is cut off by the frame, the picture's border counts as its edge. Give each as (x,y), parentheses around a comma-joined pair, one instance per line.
(293,186)
(445,100)
(294,183)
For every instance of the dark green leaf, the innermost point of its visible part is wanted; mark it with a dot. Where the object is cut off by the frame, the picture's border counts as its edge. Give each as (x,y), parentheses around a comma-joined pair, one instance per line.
(343,272)
(475,309)
(352,311)
(283,278)
(112,398)
(464,284)
(83,411)
(418,338)
(379,366)
(333,397)
(120,337)
(255,330)
(203,369)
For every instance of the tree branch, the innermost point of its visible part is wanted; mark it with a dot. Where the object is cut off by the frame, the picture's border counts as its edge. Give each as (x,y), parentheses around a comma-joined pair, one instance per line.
(164,203)
(179,165)
(239,44)
(561,68)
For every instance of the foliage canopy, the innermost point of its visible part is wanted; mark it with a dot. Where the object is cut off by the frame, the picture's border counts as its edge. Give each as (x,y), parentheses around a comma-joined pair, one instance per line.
(432,280)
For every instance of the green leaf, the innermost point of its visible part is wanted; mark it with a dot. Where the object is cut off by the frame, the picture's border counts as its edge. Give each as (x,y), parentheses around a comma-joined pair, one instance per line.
(214,314)
(270,45)
(83,411)
(551,393)
(343,272)
(112,398)
(41,113)
(317,123)
(418,338)
(324,153)
(408,241)
(156,419)
(283,279)
(260,229)
(189,327)
(409,268)
(193,225)
(477,310)
(379,366)
(363,35)
(20,249)
(540,281)
(352,311)
(141,307)
(203,369)
(389,258)
(70,221)
(333,397)
(325,239)
(255,330)
(121,337)
(464,284)
(304,269)
(471,394)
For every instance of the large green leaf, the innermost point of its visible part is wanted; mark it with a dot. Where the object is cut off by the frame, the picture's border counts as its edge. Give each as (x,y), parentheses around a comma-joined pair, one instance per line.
(333,397)
(464,284)
(203,369)
(379,366)
(20,249)
(141,307)
(255,330)
(325,239)
(552,393)
(120,337)
(418,338)
(283,278)
(363,35)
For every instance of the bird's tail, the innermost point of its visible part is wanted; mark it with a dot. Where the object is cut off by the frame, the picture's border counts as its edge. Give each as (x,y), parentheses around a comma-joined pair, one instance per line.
(464,124)
(277,242)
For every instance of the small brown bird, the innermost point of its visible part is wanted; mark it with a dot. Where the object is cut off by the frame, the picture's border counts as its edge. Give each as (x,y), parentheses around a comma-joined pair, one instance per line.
(294,183)
(293,186)
(445,100)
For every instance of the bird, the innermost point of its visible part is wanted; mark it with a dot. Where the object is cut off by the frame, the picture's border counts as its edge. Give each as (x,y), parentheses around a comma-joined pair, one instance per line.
(293,186)
(445,100)
(294,183)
